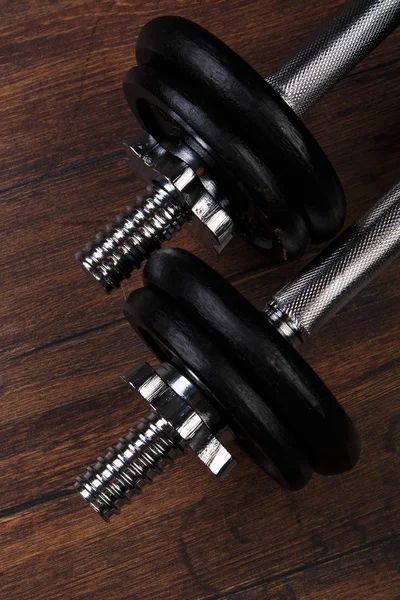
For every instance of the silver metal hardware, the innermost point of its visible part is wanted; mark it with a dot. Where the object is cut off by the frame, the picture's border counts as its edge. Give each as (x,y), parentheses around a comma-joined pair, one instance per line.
(154,162)
(287,326)
(135,460)
(175,398)
(342,270)
(180,420)
(182,417)
(353,31)
(135,235)
(176,195)
(357,27)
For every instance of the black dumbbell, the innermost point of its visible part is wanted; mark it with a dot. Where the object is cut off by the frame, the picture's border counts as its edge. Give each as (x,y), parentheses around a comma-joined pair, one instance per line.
(224,363)
(227,148)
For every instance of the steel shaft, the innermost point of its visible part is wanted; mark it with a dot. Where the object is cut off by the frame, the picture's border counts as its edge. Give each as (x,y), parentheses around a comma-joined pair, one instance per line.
(346,266)
(336,48)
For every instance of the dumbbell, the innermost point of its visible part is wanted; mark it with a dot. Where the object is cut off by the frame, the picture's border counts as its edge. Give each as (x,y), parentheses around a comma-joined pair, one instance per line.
(227,149)
(228,370)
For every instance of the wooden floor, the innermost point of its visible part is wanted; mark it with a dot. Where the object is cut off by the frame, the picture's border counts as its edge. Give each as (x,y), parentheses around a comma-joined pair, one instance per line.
(64,344)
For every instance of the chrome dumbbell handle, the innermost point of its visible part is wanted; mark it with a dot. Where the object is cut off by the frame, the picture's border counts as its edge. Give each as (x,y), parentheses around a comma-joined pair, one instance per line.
(336,275)
(337,47)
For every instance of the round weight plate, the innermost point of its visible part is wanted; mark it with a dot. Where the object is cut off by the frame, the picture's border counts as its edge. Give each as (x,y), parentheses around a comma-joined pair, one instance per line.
(175,337)
(262,356)
(190,84)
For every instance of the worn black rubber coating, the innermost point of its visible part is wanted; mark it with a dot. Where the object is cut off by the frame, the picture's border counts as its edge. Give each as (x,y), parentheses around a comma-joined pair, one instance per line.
(273,368)
(174,336)
(189,84)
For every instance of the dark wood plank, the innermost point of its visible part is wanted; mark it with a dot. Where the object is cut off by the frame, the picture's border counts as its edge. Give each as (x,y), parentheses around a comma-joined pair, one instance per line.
(368,573)
(64,343)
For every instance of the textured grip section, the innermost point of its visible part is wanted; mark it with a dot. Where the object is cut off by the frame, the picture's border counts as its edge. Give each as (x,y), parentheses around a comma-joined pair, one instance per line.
(345,39)
(344,267)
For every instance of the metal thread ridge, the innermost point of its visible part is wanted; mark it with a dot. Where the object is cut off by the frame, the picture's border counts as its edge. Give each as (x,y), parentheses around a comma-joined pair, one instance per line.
(134,236)
(135,460)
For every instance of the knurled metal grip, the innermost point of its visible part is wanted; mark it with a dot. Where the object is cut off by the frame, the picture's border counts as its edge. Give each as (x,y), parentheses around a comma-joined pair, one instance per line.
(336,275)
(337,47)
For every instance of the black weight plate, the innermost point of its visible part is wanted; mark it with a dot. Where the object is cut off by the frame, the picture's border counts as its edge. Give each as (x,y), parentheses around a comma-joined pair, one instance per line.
(175,337)
(281,230)
(267,361)
(250,131)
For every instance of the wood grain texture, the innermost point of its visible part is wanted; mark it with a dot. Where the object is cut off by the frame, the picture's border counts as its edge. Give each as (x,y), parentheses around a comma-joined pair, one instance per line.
(64,344)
